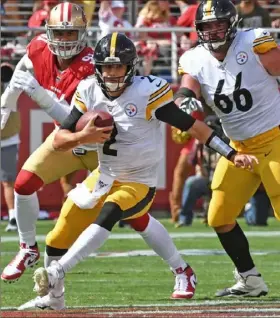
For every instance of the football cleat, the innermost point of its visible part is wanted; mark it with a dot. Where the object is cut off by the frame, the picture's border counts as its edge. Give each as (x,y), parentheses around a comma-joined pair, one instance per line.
(185,283)
(48,278)
(48,302)
(250,286)
(26,257)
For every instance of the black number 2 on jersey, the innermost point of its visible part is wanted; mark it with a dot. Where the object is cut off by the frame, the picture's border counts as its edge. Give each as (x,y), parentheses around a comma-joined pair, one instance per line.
(241,97)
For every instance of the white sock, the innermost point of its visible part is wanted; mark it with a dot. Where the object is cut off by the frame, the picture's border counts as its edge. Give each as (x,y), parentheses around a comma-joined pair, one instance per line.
(59,287)
(27,211)
(88,242)
(12,214)
(252,271)
(157,237)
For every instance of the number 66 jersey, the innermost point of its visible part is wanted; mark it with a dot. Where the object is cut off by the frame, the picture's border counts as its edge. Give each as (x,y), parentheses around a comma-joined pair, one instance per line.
(135,148)
(238,89)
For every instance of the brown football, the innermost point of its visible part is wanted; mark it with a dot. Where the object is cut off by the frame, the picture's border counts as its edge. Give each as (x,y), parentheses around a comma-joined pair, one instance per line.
(102,119)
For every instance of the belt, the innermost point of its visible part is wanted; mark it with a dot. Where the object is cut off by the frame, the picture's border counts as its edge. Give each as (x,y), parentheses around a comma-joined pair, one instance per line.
(79,152)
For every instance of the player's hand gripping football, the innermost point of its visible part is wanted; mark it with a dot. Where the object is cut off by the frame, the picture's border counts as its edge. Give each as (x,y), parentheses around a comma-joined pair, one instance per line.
(92,134)
(244,161)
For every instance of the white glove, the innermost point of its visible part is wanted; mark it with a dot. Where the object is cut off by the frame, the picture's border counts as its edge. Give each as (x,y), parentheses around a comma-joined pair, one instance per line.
(26,82)
(5,114)
(50,104)
(191,104)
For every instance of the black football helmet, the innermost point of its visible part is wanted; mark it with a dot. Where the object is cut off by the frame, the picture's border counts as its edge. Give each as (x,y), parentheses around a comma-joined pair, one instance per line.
(115,48)
(216,11)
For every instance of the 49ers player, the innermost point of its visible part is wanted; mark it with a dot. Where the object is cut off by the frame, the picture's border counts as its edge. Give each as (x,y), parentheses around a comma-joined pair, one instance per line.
(59,60)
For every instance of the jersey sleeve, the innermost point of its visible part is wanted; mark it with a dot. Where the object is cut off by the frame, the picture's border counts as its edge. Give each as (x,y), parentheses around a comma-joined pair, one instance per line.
(36,46)
(83,97)
(263,41)
(160,94)
(79,100)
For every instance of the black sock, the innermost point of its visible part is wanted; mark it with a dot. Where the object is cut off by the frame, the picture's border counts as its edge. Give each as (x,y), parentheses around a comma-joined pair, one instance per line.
(236,246)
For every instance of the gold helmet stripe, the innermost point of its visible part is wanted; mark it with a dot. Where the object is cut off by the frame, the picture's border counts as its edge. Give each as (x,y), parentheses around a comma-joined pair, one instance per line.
(113,44)
(208,7)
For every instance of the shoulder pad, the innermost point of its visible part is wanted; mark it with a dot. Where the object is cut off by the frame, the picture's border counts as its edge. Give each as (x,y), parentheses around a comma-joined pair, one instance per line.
(149,84)
(37,44)
(262,41)
(189,61)
(86,83)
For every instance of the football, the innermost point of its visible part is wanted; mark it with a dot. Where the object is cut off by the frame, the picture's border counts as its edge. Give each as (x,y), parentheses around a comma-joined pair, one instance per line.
(102,119)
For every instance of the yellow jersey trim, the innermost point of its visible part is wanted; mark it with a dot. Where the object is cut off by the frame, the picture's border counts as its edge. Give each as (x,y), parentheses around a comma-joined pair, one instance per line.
(161,101)
(264,46)
(159,91)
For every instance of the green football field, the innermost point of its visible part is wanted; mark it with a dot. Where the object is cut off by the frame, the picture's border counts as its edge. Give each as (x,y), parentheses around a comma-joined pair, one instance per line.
(126,273)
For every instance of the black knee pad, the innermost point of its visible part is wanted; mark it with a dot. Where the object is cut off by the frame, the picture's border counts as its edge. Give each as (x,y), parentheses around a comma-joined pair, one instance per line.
(53,251)
(110,214)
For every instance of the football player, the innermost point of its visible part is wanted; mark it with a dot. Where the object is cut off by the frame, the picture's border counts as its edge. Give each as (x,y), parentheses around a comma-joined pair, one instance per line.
(59,60)
(235,72)
(123,187)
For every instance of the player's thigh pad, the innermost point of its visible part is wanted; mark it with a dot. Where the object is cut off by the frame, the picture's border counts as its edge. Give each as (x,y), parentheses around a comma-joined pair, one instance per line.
(72,220)
(49,164)
(90,160)
(134,199)
(232,188)
(270,173)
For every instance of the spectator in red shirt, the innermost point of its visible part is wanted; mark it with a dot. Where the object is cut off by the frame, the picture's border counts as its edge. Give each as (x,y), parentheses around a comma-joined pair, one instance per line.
(188,11)
(155,14)
(38,17)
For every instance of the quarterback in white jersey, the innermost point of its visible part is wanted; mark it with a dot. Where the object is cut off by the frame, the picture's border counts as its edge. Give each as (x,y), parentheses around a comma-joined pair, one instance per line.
(124,185)
(235,72)
(136,133)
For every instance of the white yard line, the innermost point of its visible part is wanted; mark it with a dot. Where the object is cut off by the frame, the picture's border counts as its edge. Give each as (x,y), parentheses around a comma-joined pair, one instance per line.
(187,252)
(237,302)
(133,236)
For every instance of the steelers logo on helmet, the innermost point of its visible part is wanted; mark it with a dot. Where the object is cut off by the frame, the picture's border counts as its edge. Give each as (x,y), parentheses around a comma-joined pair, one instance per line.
(112,50)
(66,17)
(216,23)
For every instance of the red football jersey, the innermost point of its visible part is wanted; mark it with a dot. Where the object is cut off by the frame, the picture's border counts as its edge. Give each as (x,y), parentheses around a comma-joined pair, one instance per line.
(62,83)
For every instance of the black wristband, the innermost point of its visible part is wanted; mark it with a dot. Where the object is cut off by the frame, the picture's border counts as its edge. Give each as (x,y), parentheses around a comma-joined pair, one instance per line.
(184,92)
(216,143)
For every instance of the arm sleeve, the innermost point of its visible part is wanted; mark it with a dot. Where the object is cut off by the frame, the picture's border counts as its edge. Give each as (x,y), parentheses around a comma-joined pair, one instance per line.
(70,122)
(173,116)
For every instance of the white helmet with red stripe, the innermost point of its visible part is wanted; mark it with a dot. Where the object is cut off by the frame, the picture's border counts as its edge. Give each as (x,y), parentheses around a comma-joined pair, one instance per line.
(66,16)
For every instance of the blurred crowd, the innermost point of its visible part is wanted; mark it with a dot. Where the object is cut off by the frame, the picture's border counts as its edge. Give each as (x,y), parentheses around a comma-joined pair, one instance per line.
(154,49)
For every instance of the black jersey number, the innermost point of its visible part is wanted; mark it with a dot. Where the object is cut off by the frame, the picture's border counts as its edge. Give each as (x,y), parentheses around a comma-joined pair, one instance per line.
(241,97)
(106,147)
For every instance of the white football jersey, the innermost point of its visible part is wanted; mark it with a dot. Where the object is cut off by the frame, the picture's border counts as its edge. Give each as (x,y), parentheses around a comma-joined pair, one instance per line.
(135,148)
(239,89)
